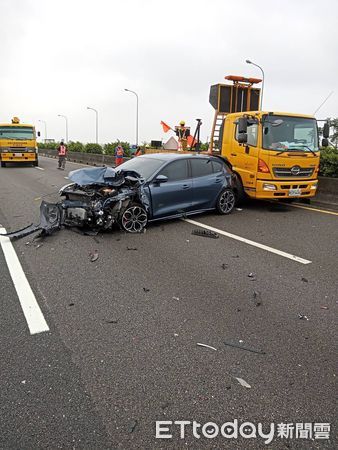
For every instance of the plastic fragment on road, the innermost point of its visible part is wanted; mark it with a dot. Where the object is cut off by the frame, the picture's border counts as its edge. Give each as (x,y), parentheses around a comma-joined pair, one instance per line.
(256,298)
(243,382)
(224,266)
(305,280)
(251,275)
(242,347)
(146,289)
(94,256)
(205,233)
(303,317)
(133,426)
(207,346)
(324,307)
(176,298)
(239,209)
(131,248)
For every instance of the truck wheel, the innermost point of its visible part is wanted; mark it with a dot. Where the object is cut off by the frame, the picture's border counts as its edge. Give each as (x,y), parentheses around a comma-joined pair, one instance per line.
(36,163)
(239,190)
(134,218)
(3,164)
(225,201)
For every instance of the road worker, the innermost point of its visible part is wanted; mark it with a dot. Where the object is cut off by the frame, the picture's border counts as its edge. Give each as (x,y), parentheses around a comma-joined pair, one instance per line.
(62,153)
(119,155)
(182,132)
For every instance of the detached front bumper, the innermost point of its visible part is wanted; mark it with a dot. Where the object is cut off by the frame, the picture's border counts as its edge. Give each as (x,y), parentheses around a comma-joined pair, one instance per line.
(18,156)
(285,189)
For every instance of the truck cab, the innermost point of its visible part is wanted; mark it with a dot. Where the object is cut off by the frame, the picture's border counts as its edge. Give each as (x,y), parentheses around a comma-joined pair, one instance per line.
(274,154)
(18,143)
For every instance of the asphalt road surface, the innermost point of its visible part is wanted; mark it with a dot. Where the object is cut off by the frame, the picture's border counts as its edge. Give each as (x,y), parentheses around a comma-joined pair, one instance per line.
(94,353)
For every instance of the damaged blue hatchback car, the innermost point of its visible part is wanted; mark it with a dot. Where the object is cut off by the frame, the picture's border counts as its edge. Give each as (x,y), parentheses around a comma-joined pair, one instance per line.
(143,189)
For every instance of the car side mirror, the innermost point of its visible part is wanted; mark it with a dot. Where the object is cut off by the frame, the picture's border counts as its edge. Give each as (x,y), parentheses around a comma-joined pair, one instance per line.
(160,179)
(325,142)
(242,138)
(326,130)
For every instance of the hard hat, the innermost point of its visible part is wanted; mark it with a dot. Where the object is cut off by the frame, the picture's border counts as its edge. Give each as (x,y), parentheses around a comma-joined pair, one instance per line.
(182,122)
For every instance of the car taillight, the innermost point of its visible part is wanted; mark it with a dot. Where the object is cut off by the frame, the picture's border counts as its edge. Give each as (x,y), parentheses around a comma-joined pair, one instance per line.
(262,166)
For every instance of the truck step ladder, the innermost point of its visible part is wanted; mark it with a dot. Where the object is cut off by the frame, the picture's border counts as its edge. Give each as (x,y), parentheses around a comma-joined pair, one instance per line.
(215,145)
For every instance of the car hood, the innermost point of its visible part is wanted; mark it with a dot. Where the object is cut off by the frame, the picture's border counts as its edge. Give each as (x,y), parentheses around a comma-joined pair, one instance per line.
(100,175)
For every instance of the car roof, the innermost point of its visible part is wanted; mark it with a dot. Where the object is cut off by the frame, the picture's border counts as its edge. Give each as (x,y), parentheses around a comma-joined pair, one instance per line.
(173,156)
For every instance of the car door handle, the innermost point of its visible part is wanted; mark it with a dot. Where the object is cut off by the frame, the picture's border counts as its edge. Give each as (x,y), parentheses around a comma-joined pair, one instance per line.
(233,154)
(186,186)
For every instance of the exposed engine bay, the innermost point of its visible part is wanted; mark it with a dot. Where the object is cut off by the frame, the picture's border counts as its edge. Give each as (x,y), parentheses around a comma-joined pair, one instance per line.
(96,200)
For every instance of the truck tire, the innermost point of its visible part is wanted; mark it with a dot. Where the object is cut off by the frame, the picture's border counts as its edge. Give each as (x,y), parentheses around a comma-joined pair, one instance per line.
(226,201)
(239,191)
(36,163)
(3,164)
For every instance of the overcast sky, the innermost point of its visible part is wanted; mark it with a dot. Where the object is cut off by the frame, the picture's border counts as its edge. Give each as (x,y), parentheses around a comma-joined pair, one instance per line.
(60,56)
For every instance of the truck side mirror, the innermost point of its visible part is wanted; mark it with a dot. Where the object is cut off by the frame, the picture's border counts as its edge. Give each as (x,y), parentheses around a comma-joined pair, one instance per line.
(242,138)
(242,125)
(326,130)
(325,142)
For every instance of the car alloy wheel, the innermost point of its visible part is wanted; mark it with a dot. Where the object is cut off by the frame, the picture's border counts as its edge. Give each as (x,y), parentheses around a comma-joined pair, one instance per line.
(134,219)
(226,201)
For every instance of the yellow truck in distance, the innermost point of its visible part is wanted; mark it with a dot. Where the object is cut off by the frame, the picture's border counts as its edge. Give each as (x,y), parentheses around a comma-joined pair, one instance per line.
(275,155)
(18,143)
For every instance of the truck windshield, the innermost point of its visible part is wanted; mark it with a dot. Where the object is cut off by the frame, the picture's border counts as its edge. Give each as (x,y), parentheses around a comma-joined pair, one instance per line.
(21,133)
(284,133)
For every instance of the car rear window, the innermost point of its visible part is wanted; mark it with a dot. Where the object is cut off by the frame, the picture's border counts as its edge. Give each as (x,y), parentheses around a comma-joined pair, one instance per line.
(201,167)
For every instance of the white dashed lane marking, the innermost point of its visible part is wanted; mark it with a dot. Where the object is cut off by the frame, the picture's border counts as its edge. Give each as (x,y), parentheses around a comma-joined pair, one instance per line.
(249,242)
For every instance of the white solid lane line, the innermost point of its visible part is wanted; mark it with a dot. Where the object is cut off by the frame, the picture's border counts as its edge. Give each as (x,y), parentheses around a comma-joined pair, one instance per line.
(39,168)
(253,243)
(33,314)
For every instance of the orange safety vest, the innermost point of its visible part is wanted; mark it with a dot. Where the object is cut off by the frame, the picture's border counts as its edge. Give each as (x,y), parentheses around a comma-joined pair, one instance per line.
(62,150)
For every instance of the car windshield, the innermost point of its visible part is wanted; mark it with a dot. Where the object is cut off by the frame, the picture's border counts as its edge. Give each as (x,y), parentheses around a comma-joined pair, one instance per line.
(143,166)
(16,133)
(284,133)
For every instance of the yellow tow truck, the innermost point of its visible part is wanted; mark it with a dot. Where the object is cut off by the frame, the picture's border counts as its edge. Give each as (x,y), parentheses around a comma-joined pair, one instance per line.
(275,155)
(18,143)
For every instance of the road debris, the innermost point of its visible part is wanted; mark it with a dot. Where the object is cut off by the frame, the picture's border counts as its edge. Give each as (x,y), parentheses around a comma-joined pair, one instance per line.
(133,426)
(205,233)
(224,266)
(112,321)
(324,307)
(94,256)
(242,347)
(243,382)
(132,248)
(146,289)
(38,246)
(251,275)
(305,280)
(239,209)
(207,346)
(71,304)
(257,298)
(303,317)
(176,298)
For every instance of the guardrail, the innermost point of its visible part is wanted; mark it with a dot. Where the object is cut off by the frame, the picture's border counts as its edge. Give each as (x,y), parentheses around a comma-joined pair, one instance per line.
(83,158)
(327,187)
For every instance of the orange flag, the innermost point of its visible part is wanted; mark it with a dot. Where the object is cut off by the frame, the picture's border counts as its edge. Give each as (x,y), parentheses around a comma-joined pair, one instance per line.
(191,141)
(166,127)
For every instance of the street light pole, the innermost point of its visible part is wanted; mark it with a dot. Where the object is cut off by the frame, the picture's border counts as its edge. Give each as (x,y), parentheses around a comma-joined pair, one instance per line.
(250,62)
(133,92)
(65,117)
(43,121)
(97,123)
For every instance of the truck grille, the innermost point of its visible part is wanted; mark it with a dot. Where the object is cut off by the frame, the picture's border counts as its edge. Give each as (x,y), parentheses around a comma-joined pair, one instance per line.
(288,172)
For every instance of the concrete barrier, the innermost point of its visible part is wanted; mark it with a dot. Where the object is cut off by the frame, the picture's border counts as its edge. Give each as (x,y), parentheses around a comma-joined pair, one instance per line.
(327,187)
(327,191)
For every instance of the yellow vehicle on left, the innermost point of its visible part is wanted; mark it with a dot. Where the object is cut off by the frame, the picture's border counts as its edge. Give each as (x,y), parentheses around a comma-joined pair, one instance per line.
(18,143)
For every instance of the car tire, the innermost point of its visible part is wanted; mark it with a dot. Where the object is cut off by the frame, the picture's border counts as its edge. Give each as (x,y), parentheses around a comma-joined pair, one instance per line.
(3,164)
(226,201)
(134,218)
